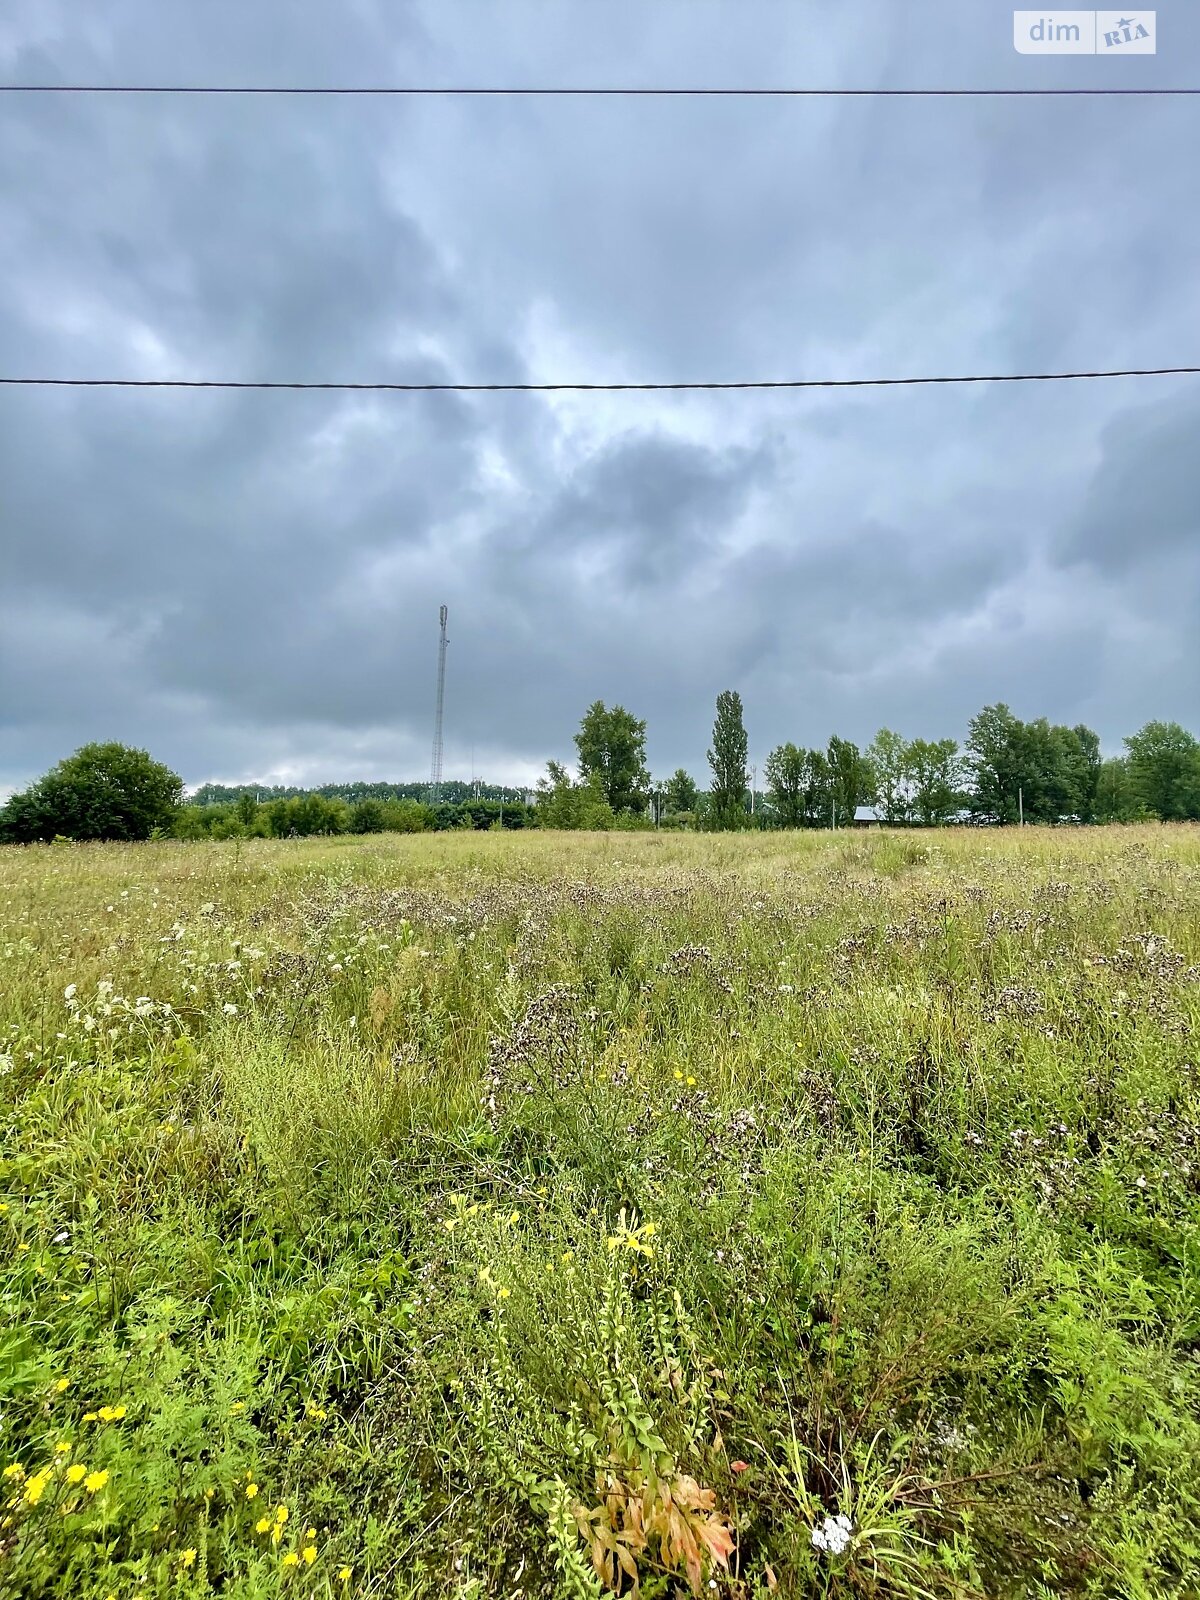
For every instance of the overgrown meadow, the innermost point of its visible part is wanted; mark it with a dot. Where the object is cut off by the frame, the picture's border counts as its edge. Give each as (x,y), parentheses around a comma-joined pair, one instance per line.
(482,1215)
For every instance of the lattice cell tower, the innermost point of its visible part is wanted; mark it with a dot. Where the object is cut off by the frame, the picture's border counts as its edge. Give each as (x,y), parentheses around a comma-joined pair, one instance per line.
(435,770)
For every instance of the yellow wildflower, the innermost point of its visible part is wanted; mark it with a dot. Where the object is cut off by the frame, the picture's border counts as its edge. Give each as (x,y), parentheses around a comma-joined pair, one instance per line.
(61,1385)
(13,1470)
(76,1472)
(346,1574)
(514,1216)
(251,1491)
(89,1416)
(36,1487)
(678,1076)
(263,1525)
(503,1292)
(309,1553)
(187,1558)
(111,1413)
(281,1514)
(291,1559)
(691,1083)
(567,1257)
(95,1481)
(62,1447)
(237,1408)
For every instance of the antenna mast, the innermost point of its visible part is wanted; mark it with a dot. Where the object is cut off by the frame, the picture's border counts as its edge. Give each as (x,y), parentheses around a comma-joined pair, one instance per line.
(435,770)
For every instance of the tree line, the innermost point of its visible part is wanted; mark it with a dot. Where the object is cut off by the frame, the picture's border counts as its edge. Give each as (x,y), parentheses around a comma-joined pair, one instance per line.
(313,811)
(452,791)
(110,791)
(1006,771)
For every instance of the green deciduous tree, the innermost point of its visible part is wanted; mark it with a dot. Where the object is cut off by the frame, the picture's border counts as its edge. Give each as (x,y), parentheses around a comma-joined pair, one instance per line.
(103,791)
(1085,764)
(888,755)
(785,773)
(1164,770)
(998,763)
(933,770)
(612,754)
(1045,772)
(818,789)
(367,816)
(246,811)
(1115,800)
(727,758)
(681,792)
(562,803)
(850,778)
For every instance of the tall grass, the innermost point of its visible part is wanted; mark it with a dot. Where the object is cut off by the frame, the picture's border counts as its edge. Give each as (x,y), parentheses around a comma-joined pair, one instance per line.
(553,1214)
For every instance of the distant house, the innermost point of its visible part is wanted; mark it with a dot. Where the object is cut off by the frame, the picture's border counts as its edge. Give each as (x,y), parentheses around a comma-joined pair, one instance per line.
(866,817)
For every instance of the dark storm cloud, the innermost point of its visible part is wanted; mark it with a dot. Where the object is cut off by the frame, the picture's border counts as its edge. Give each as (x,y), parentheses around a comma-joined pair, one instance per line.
(1142,507)
(249,584)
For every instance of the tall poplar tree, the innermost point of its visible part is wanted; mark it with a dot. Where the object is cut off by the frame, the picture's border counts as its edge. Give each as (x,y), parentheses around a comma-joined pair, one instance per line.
(727,758)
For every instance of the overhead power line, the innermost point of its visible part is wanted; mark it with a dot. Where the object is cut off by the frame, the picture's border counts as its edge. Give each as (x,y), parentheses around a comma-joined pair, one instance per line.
(480,91)
(605,388)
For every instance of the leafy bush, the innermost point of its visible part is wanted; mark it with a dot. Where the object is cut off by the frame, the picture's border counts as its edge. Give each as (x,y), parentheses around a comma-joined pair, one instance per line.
(103,791)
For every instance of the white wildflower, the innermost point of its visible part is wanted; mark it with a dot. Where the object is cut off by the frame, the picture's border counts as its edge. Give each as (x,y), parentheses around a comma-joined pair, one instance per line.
(229,1009)
(69,992)
(833,1535)
(104,988)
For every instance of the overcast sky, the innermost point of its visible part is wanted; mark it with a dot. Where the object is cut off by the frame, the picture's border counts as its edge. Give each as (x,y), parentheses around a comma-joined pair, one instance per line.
(248,584)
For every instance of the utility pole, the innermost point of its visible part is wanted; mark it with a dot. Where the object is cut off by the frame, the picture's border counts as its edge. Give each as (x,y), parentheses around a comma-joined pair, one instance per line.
(435,769)
(1021,808)
(753,785)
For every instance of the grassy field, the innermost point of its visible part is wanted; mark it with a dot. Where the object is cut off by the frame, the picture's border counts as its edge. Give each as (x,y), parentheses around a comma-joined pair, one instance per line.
(481,1215)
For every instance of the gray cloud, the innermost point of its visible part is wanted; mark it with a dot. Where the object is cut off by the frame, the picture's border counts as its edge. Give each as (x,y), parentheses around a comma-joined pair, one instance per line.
(249,584)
